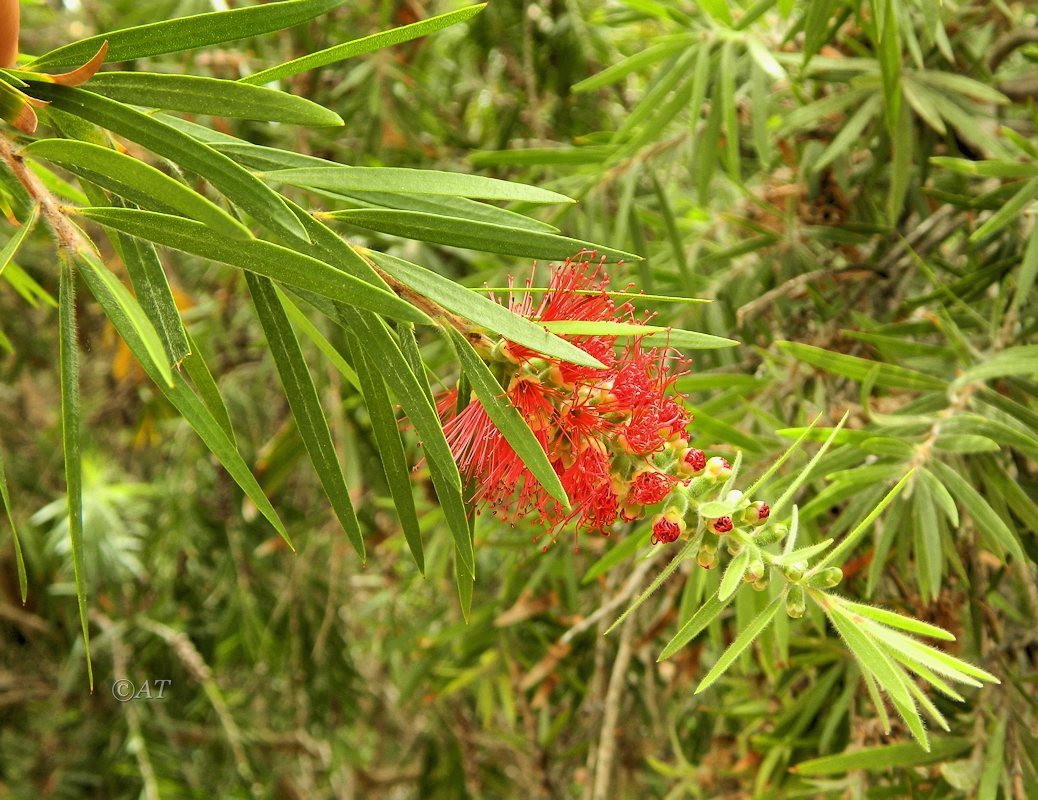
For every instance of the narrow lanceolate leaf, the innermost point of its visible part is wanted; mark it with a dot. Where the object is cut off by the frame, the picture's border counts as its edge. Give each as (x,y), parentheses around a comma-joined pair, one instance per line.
(5,498)
(411,181)
(742,641)
(124,311)
(507,419)
(264,258)
(220,98)
(984,516)
(11,247)
(472,234)
(305,404)
(733,575)
(135,181)
(239,185)
(482,310)
(155,296)
(661,337)
(390,447)
(883,758)
(199,417)
(367,44)
(185,33)
(707,613)
(1021,360)
(844,548)
(70,419)
(205,385)
(858,369)
(383,350)
(898,621)
(888,675)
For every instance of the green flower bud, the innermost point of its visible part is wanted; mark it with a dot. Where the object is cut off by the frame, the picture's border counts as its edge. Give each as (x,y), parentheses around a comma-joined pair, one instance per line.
(762,584)
(755,571)
(770,534)
(756,514)
(826,579)
(796,604)
(707,556)
(718,469)
(795,572)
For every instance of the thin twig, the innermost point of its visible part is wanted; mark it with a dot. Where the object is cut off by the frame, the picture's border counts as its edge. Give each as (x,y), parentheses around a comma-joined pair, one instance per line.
(614,694)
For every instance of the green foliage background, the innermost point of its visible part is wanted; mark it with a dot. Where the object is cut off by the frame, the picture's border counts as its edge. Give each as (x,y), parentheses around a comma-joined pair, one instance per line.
(851,183)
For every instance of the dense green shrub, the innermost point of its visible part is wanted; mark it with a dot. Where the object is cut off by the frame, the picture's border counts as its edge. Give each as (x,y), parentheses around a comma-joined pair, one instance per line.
(848,184)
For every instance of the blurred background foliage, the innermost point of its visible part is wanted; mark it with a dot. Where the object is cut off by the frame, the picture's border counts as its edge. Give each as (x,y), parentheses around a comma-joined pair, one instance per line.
(850,182)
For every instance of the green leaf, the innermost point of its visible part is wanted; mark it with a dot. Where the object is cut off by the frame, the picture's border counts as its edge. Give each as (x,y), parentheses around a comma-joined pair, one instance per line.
(1009,211)
(123,310)
(742,641)
(929,559)
(507,419)
(961,84)
(858,369)
(10,249)
(994,765)
(653,54)
(732,578)
(674,337)
(888,675)
(367,44)
(898,620)
(154,295)
(455,207)
(390,446)
(185,33)
(805,473)
(1020,360)
(5,498)
(239,186)
(382,349)
(410,181)
(305,404)
(202,95)
(691,546)
(201,419)
(70,421)
(850,541)
(931,657)
(481,310)
(984,516)
(263,258)
(877,759)
(706,614)
(198,371)
(965,443)
(471,234)
(718,9)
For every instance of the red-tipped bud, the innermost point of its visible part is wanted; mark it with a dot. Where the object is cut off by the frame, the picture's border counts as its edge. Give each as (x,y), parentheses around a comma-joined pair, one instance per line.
(667,529)
(718,469)
(756,514)
(721,525)
(694,461)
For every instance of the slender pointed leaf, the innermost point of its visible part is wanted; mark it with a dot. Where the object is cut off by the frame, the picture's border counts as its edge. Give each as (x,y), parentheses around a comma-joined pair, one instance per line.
(305,404)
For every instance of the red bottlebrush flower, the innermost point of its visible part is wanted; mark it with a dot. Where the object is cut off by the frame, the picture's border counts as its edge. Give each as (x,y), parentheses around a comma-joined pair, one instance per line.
(600,428)
(721,525)
(649,488)
(665,531)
